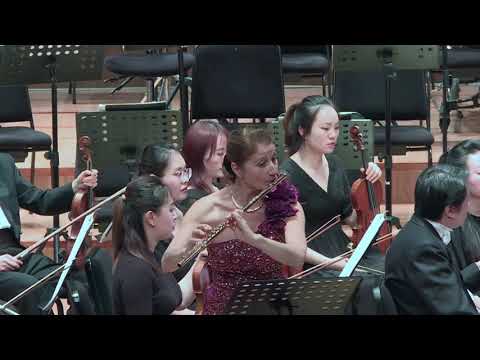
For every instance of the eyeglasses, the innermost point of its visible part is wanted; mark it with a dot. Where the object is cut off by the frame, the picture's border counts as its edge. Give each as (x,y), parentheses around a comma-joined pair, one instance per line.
(184,174)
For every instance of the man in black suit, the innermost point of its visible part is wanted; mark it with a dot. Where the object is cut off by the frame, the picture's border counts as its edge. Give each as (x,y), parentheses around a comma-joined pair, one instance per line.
(16,193)
(421,274)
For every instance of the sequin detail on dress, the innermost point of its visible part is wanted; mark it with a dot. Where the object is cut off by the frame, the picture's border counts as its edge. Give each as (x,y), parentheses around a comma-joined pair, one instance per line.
(233,262)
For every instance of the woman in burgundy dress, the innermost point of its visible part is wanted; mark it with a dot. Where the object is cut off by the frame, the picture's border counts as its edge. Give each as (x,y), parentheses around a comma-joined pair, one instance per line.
(239,254)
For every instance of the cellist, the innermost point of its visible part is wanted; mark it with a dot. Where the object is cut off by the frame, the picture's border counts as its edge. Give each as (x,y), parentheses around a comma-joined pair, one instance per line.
(16,193)
(311,133)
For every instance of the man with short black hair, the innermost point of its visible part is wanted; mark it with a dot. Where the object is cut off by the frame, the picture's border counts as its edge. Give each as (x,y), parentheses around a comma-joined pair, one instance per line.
(423,278)
(16,193)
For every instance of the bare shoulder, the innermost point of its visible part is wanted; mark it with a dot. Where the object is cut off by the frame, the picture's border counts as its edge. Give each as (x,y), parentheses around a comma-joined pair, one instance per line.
(203,209)
(300,213)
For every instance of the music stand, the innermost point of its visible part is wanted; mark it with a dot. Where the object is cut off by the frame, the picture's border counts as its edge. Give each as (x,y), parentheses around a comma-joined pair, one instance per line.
(84,230)
(184,107)
(386,58)
(363,246)
(293,297)
(38,64)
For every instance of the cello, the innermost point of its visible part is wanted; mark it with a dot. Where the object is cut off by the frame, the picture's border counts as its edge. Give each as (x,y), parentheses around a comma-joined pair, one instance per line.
(366,198)
(82,201)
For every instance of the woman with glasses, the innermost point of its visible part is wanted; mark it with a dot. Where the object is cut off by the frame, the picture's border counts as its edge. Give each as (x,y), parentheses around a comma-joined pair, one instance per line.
(204,150)
(259,243)
(169,165)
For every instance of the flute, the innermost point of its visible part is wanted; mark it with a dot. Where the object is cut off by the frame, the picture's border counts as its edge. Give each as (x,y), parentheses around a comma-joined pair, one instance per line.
(202,245)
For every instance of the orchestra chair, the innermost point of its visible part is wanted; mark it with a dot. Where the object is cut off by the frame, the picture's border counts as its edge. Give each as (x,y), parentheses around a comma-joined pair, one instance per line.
(150,66)
(237,82)
(234,82)
(306,62)
(364,93)
(463,63)
(20,140)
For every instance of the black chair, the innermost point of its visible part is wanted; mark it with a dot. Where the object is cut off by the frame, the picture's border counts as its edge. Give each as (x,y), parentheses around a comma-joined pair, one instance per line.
(98,267)
(20,140)
(463,64)
(307,62)
(364,92)
(237,81)
(149,66)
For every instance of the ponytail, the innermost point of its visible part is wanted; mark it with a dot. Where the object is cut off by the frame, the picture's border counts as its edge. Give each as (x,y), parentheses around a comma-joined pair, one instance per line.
(293,140)
(118,233)
(302,115)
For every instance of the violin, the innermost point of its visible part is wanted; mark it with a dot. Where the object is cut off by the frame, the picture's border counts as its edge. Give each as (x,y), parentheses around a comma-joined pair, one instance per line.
(201,279)
(82,201)
(366,198)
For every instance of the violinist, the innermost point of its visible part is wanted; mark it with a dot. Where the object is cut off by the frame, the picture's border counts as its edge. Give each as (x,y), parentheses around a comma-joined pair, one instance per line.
(260,240)
(312,129)
(421,274)
(15,193)
(204,149)
(145,217)
(465,244)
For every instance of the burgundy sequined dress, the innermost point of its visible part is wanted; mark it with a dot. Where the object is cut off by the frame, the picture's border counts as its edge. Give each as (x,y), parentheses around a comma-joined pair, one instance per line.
(233,262)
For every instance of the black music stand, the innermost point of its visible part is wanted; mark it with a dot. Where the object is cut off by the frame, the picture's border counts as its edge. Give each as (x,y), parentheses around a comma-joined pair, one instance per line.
(329,296)
(184,107)
(38,64)
(389,59)
(445,110)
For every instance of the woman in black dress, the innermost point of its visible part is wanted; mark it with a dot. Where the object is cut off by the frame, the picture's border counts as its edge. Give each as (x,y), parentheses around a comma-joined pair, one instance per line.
(204,149)
(465,244)
(141,220)
(168,164)
(312,128)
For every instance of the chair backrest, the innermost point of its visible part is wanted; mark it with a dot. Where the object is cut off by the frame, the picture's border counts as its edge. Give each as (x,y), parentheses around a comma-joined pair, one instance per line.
(98,267)
(364,92)
(304,49)
(15,105)
(237,81)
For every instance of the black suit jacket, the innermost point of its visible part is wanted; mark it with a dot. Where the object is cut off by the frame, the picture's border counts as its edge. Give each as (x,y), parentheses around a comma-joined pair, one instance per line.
(16,193)
(423,278)
(464,247)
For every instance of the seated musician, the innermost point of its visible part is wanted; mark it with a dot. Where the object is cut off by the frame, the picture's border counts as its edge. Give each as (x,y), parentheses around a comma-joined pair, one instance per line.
(204,149)
(145,217)
(311,133)
(168,164)
(239,254)
(465,244)
(421,274)
(15,193)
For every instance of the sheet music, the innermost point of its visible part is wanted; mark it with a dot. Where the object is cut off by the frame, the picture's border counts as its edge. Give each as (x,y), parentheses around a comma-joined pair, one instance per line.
(87,224)
(4,224)
(363,245)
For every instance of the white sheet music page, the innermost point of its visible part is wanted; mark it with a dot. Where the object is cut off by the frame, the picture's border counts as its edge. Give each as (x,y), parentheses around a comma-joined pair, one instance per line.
(4,224)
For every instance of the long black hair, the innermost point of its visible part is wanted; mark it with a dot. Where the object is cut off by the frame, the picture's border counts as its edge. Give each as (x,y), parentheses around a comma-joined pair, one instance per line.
(146,193)
(155,159)
(458,155)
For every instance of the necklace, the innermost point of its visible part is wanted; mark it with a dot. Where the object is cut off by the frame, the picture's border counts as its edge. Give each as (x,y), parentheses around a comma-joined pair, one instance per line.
(241,208)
